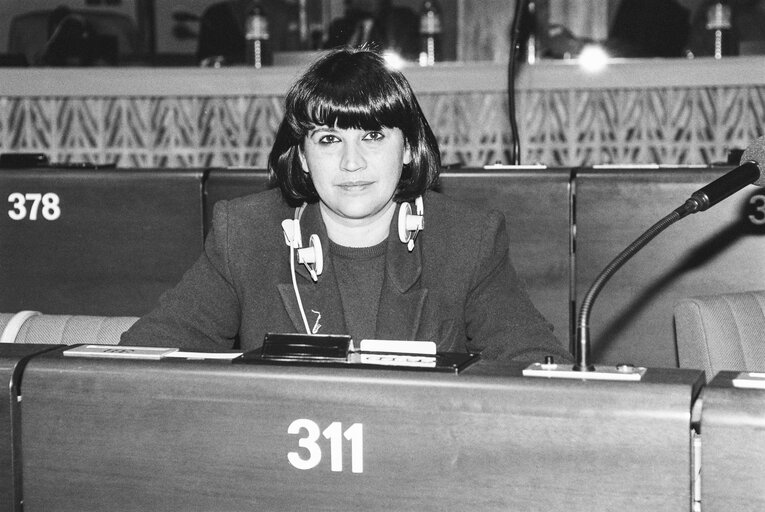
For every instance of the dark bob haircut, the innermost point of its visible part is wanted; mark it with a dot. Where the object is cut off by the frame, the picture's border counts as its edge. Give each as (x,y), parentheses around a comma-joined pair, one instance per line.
(352,88)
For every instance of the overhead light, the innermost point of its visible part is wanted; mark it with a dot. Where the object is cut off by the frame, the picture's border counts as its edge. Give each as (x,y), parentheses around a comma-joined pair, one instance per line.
(593,58)
(393,59)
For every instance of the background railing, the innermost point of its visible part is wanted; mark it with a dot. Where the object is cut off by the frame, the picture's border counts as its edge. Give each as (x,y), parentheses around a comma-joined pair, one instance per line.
(634,112)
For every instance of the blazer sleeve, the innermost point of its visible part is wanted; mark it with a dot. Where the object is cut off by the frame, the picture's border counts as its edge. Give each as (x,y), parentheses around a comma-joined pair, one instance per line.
(203,311)
(501,321)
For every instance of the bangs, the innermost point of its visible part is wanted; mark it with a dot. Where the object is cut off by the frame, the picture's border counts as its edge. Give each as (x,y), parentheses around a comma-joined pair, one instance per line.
(354,100)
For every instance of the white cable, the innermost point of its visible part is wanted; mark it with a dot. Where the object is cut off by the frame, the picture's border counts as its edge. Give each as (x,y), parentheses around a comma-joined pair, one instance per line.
(295,236)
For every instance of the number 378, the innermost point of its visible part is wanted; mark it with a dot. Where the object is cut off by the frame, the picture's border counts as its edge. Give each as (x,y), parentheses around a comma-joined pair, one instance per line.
(31,204)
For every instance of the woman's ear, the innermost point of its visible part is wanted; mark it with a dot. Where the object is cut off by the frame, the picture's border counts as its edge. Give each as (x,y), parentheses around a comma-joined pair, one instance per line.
(407,153)
(303,161)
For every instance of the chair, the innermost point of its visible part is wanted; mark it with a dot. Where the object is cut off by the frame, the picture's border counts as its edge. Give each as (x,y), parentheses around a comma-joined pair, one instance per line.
(34,327)
(721,332)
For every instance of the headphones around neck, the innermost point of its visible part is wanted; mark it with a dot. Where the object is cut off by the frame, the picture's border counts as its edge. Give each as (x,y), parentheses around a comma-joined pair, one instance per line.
(312,257)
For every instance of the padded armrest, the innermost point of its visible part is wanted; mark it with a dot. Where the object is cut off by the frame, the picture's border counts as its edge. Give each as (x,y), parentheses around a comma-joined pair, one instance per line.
(33,327)
(721,332)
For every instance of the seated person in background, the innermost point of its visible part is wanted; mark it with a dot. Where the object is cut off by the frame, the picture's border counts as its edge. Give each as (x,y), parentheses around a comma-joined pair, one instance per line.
(72,41)
(377,22)
(649,28)
(744,36)
(222,30)
(352,150)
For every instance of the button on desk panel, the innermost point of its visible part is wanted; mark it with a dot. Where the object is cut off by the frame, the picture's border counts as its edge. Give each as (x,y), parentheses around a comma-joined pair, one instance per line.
(158,435)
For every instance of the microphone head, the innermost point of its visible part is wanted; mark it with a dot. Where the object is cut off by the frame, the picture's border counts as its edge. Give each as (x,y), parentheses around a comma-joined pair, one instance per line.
(756,153)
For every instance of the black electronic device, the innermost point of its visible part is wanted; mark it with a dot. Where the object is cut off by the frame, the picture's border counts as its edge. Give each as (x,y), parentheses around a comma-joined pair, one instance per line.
(303,347)
(339,350)
(23,160)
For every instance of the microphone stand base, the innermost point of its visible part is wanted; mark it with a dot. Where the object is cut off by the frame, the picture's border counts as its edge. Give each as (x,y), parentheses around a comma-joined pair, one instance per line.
(622,372)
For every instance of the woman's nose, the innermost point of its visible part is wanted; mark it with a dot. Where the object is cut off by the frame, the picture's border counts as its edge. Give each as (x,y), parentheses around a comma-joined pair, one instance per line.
(353,157)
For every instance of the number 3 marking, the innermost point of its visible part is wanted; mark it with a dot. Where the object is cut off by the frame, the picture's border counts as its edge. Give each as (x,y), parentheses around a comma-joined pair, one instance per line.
(308,442)
(50,206)
(759,208)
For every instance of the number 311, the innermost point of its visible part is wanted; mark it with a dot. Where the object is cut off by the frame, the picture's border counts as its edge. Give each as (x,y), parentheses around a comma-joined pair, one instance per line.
(334,433)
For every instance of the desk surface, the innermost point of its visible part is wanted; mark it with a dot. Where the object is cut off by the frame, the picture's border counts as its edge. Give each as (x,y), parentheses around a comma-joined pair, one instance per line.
(217,436)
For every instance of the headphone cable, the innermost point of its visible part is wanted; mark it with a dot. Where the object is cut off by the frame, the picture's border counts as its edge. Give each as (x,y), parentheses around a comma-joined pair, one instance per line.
(295,236)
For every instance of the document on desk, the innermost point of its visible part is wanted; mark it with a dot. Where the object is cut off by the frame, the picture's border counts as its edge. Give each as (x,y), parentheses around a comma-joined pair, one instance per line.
(119,352)
(749,380)
(153,353)
(184,354)
(398,353)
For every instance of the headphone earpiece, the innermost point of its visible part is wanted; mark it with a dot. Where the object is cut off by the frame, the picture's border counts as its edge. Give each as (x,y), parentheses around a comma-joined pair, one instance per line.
(312,256)
(292,235)
(409,225)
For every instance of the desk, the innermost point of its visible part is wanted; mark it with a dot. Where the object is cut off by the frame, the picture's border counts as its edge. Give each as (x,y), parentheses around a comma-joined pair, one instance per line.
(157,435)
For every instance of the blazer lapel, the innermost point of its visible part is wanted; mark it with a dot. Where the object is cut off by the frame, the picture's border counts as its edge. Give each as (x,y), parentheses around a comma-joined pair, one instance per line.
(402,299)
(321,300)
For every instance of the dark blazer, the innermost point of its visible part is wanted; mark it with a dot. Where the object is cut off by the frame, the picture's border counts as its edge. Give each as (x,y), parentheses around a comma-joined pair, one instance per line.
(457,287)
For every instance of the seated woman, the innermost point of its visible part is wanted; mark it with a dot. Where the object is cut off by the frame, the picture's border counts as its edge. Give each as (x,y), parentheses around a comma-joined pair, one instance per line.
(352,151)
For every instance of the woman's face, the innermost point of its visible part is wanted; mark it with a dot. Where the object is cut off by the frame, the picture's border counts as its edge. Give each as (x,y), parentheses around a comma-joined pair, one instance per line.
(355,172)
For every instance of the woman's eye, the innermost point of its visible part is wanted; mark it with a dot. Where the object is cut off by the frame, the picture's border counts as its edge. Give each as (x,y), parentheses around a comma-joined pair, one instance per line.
(328,139)
(374,136)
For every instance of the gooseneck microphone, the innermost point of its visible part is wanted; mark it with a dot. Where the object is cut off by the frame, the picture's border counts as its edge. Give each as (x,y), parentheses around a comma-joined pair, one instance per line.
(751,171)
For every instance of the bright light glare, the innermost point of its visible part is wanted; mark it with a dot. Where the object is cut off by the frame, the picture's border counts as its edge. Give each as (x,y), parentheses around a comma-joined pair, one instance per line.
(393,59)
(593,58)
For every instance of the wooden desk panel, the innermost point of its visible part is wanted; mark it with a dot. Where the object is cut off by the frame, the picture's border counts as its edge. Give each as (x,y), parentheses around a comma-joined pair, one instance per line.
(96,242)
(199,436)
(230,183)
(12,361)
(732,447)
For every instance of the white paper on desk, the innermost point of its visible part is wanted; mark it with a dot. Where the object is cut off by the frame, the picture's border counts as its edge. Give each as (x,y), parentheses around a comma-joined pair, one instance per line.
(398,347)
(749,380)
(399,360)
(181,354)
(119,352)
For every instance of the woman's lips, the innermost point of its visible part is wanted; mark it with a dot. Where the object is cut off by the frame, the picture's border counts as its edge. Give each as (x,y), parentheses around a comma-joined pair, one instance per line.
(355,186)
